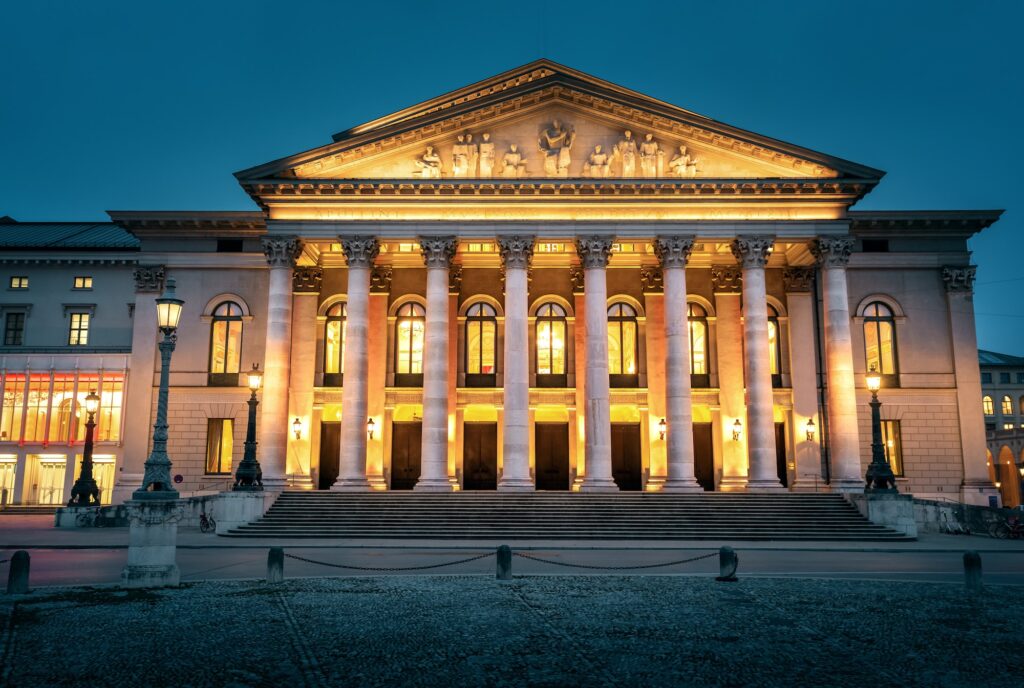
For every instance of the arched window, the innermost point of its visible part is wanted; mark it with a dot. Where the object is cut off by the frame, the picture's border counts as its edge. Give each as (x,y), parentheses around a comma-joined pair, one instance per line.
(987,406)
(622,345)
(1006,406)
(880,341)
(774,346)
(697,318)
(409,328)
(1020,406)
(225,344)
(481,343)
(334,346)
(551,328)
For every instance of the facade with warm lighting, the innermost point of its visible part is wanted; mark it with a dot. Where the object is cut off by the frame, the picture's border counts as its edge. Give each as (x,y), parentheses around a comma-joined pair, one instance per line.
(1002,402)
(545,281)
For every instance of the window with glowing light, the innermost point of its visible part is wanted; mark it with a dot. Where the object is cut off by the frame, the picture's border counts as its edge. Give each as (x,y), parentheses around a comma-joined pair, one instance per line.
(13,405)
(697,319)
(892,443)
(410,325)
(551,333)
(880,342)
(481,338)
(334,345)
(622,345)
(987,405)
(225,344)
(219,443)
(78,333)
(108,416)
(36,407)
(1007,406)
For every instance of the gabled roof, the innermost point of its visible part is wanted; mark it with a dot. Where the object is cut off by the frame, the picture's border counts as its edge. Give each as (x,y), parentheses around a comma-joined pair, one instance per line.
(992,358)
(65,236)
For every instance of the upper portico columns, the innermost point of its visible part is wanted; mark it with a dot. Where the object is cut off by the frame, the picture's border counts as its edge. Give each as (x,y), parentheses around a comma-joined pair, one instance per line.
(674,252)
(516,252)
(594,251)
(438,252)
(360,252)
(752,254)
(281,253)
(833,254)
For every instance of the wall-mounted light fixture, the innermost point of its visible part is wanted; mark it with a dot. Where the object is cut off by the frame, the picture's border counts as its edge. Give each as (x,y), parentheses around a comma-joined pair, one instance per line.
(369,427)
(297,428)
(737,430)
(662,426)
(810,429)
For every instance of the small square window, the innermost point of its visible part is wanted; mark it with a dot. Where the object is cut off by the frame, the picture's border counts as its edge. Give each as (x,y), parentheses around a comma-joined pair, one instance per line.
(83,282)
(79,332)
(14,329)
(1007,426)
(1020,378)
(986,378)
(19,282)
(1004,378)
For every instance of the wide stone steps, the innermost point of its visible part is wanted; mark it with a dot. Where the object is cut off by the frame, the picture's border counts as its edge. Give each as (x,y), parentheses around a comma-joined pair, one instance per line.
(560,515)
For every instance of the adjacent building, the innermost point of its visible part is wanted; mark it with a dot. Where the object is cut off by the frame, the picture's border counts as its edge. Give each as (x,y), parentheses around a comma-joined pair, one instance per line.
(1002,402)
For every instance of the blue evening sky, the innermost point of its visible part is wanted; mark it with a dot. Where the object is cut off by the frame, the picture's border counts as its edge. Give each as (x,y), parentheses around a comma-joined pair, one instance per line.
(152,106)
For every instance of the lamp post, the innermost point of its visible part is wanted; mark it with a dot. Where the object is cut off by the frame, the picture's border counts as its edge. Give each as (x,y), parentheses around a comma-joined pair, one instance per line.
(249,476)
(85,492)
(879,476)
(156,482)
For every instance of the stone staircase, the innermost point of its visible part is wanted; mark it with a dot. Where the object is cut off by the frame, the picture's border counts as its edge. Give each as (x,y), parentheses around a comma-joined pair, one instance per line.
(28,510)
(565,516)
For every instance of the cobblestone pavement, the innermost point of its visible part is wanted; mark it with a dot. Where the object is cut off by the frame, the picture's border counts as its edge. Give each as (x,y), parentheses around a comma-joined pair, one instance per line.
(536,631)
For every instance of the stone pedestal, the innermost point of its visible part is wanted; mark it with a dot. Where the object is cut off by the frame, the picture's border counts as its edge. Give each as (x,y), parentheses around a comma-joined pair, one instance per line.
(234,509)
(152,544)
(894,511)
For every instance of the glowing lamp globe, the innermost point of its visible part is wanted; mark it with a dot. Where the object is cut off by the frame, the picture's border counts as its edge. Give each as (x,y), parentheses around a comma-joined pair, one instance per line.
(168,308)
(92,403)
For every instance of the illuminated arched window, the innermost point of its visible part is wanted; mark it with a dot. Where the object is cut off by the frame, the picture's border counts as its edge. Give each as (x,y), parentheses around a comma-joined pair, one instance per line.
(880,341)
(622,345)
(481,345)
(987,406)
(697,318)
(410,324)
(774,346)
(1020,406)
(551,329)
(1007,406)
(225,343)
(334,345)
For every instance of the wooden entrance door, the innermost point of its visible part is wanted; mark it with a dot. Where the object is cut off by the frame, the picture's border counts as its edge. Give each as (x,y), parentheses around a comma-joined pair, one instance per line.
(551,448)
(626,461)
(480,456)
(406,443)
(704,455)
(330,447)
(780,453)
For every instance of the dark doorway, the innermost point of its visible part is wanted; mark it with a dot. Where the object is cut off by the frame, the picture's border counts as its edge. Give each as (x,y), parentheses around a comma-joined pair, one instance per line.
(551,447)
(704,456)
(780,453)
(406,443)
(480,456)
(626,461)
(330,445)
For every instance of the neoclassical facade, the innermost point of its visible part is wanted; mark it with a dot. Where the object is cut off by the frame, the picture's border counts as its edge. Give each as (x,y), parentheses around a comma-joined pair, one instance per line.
(545,281)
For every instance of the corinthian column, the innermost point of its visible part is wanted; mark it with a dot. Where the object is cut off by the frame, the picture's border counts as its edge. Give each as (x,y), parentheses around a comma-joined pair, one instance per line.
(594,251)
(833,253)
(674,252)
(437,254)
(281,252)
(752,254)
(360,252)
(516,252)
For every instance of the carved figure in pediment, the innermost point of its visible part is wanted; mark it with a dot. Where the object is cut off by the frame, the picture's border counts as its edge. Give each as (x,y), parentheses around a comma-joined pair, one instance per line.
(625,154)
(597,163)
(486,150)
(556,144)
(683,164)
(463,153)
(513,164)
(652,158)
(429,164)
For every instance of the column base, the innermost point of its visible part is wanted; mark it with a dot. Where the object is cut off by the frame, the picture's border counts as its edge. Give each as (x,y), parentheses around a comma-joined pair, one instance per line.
(377,483)
(433,485)
(847,485)
(351,485)
(515,485)
(598,485)
(681,486)
(733,484)
(978,492)
(765,486)
(808,485)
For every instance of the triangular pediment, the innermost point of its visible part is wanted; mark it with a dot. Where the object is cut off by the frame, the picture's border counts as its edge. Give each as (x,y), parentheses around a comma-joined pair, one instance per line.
(507,130)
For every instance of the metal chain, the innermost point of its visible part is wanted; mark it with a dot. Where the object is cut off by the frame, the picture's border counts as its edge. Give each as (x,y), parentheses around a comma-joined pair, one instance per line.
(389,568)
(614,568)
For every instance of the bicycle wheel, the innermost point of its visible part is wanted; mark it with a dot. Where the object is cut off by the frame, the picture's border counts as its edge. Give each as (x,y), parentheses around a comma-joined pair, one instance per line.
(82,520)
(213,525)
(1001,531)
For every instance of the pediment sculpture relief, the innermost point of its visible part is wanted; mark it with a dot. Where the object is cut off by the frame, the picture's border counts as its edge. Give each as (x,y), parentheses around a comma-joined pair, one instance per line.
(556,143)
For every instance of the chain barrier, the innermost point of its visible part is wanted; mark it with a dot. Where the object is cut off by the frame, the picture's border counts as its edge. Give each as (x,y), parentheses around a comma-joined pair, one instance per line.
(389,568)
(614,568)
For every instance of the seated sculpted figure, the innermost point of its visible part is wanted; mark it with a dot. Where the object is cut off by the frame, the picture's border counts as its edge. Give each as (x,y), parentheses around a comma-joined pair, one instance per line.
(556,143)
(429,164)
(513,164)
(597,163)
(683,164)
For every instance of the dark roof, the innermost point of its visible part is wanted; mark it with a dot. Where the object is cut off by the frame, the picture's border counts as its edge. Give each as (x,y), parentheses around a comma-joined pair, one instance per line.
(65,236)
(992,358)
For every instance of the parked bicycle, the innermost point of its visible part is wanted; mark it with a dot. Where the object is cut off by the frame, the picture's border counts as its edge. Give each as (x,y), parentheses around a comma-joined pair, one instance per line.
(91,518)
(1010,528)
(206,523)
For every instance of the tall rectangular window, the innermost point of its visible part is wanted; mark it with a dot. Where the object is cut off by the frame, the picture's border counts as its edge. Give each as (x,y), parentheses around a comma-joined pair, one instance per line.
(19,282)
(86,383)
(79,332)
(37,408)
(219,445)
(13,405)
(108,421)
(14,329)
(83,282)
(62,405)
(892,442)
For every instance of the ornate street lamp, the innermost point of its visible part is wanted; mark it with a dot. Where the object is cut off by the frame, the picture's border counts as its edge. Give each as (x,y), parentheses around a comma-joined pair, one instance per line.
(737,430)
(809,429)
(370,424)
(249,476)
(662,427)
(85,492)
(879,477)
(156,483)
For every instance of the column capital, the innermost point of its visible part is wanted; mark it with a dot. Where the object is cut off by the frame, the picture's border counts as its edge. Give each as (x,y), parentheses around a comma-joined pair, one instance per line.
(360,251)
(516,250)
(438,251)
(959,278)
(380,279)
(674,250)
(752,251)
(832,252)
(148,278)
(797,279)
(306,279)
(726,279)
(281,251)
(652,279)
(594,249)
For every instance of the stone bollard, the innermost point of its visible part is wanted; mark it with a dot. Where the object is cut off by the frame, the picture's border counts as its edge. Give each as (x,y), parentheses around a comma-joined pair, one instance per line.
(504,571)
(728,562)
(17,576)
(972,571)
(275,565)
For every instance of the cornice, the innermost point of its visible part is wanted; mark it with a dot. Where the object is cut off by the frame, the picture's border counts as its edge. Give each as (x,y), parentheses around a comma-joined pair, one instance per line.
(33,258)
(922,222)
(245,222)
